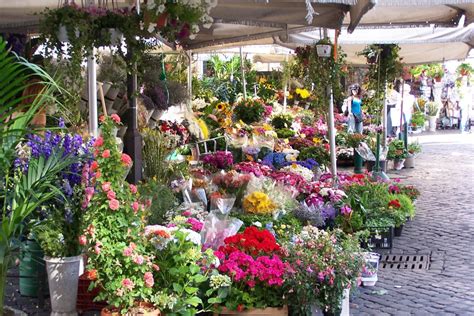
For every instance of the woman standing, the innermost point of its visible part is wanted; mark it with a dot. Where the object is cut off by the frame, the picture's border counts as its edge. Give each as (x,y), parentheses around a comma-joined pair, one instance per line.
(354,106)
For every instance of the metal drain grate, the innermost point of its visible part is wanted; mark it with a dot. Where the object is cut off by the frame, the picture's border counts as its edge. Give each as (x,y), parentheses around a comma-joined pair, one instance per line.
(409,262)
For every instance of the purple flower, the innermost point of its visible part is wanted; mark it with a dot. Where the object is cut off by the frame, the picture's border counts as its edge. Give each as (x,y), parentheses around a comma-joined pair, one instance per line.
(328,211)
(346,210)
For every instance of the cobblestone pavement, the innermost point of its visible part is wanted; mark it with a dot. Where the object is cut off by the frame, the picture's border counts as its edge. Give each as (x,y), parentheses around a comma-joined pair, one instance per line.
(443,227)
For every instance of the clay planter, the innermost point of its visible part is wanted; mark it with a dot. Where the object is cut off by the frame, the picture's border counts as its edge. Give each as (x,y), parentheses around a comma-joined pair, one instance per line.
(270,311)
(142,309)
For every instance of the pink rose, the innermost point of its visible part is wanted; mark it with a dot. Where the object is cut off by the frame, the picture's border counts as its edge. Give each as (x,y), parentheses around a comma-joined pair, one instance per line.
(106,154)
(115,118)
(97,248)
(106,186)
(138,259)
(111,195)
(82,240)
(126,160)
(133,246)
(133,188)
(135,206)
(98,142)
(114,204)
(128,284)
(148,277)
(128,251)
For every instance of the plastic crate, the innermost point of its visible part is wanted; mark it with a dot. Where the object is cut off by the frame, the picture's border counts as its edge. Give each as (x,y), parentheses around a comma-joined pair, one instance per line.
(85,298)
(380,237)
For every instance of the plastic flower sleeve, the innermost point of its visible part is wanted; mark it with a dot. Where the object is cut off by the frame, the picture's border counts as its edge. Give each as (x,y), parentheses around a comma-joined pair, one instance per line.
(201,195)
(365,152)
(216,229)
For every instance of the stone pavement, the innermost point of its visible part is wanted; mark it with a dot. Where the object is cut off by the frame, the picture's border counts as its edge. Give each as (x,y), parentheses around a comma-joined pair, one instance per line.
(443,227)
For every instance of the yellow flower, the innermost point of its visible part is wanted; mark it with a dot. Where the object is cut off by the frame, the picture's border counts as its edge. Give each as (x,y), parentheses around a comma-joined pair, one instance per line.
(258,203)
(262,80)
(317,140)
(294,165)
(303,93)
(267,127)
(203,126)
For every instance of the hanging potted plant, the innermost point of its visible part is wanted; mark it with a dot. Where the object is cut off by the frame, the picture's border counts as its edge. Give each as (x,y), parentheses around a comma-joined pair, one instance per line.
(464,69)
(371,53)
(436,71)
(324,48)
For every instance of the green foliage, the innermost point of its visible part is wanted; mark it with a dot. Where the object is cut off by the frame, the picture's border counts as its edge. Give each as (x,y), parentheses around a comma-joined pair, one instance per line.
(282,121)
(318,153)
(414,148)
(162,197)
(418,119)
(285,133)
(285,227)
(396,149)
(21,193)
(249,111)
(432,108)
(464,69)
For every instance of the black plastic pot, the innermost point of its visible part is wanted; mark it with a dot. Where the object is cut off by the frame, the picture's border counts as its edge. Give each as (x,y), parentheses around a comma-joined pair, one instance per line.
(398,231)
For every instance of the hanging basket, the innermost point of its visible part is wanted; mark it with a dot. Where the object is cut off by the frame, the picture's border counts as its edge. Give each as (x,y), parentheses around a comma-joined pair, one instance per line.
(323,50)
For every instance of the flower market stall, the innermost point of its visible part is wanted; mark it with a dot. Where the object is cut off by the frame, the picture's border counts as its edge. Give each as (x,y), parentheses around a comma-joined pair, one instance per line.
(237,212)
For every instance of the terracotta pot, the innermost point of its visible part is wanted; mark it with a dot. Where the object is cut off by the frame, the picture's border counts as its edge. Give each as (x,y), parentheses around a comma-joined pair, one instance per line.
(270,311)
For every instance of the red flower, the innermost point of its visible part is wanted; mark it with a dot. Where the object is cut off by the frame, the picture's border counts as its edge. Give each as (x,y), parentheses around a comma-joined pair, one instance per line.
(82,240)
(102,118)
(106,154)
(115,118)
(240,308)
(394,203)
(94,165)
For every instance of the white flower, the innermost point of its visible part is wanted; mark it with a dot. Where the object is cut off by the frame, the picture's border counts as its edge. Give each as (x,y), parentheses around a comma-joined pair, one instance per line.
(195,28)
(324,191)
(192,36)
(161,8)
(151,27)
(257,224)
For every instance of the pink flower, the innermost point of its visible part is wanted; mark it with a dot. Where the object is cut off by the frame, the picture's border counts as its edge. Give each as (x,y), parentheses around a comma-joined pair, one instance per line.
(148,277)
(187,213)
(115,118)
(106,154)
(98,142)
(82,240)
(128,251)
(346,210)
(106,186)
(155,267)
(94,165)
(128,284)
(195,224)
(126,160)
(135,206)
(114,204)
(138,259)
(133,188)
(133,246)
(97,248)
(111,195)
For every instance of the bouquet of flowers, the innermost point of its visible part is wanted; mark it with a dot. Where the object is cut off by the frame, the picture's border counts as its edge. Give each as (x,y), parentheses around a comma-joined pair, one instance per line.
(254,168)
(301,170)
(175,134)
(249,111)
(220,160)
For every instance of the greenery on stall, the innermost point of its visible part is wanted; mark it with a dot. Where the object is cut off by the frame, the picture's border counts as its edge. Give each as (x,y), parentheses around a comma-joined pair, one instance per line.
(285,227)
(162,197)
(21,193)
(384,67)
(318,153)
(285,133)
(396,149)
(418,119)
(282,121)
(223,79)
(249,111)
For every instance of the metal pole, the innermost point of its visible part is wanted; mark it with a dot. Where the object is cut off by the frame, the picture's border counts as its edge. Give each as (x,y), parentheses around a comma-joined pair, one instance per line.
(189,54)
(285,88)
(332,133)
(244,84)
(92,93)
(384,118)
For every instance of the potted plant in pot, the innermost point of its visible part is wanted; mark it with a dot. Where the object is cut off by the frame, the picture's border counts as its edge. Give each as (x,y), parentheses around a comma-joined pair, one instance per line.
(324,48)
(254,262)
(413,150)
(325,265)
(417,121)
(397,153)
(436,71)
(112,226)
(56,227)
(432,112)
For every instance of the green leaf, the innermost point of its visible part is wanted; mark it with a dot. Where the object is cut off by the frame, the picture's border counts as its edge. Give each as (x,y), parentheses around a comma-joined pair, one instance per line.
(177,287)
(193,301)
(199,278)
(190,290)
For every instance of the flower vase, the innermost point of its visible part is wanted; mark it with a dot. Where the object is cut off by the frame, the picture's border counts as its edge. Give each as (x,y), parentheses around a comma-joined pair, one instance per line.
(410,162)
(269,311)
(63,279)
(398,164)
(432,123)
